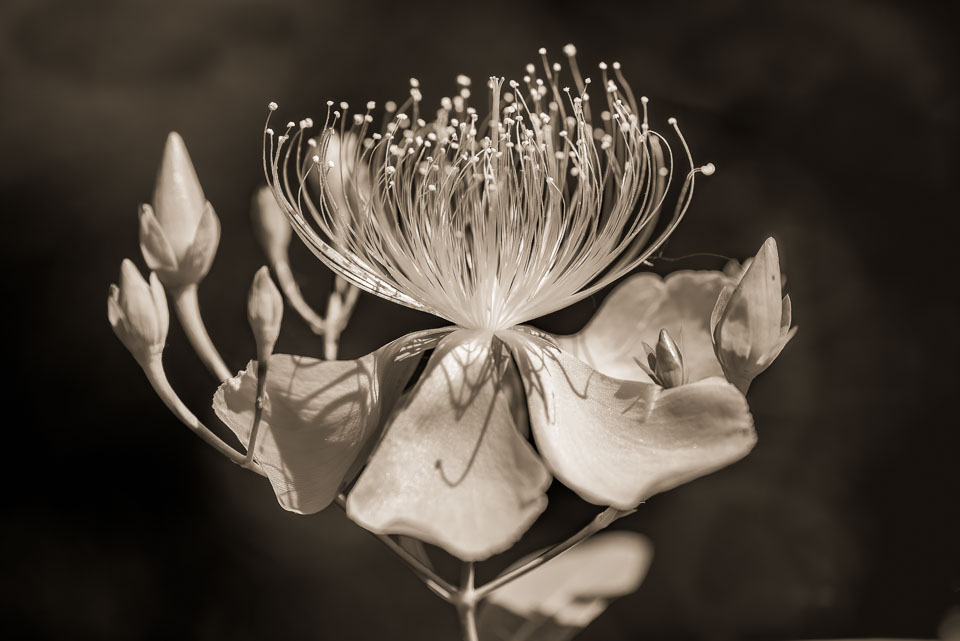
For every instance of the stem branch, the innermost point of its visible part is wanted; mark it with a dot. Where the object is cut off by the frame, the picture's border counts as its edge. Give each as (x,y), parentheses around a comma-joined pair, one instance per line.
(153,368)
(598,523)
(437,584)
(188,311)
(467,604)
(291,291)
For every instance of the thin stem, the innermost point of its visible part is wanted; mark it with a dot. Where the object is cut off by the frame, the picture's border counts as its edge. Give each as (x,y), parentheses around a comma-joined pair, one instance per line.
(437,584)
(598,523)
(290,289)
(331,336)
(467,604)
(257,411)
(188,311)
(350,295)
(153,368)
(340,306)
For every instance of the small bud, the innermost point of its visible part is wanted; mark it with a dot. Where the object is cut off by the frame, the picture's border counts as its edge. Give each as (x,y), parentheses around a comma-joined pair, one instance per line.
(270,225)
(669,362)
(265,312)
(180,233)
(138,313)
(664,363)
(751,322)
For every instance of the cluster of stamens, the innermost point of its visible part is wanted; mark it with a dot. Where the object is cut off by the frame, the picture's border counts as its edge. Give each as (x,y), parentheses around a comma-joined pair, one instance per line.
(484,221)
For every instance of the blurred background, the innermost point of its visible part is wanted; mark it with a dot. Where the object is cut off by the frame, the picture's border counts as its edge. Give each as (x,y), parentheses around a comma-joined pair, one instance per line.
(834,128)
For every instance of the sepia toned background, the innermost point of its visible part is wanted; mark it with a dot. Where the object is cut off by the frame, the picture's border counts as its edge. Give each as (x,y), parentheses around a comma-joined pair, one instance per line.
(834,128)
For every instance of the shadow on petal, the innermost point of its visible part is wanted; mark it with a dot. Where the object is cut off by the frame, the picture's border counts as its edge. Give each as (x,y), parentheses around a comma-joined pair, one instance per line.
(618,442)
(319,416)
(636,311)
(453,469)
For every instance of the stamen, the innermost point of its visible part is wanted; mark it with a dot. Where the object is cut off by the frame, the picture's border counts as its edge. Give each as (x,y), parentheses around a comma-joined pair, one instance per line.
(486,222)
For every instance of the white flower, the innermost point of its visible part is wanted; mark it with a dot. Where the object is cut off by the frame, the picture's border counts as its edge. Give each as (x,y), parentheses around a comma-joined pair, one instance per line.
(487,223)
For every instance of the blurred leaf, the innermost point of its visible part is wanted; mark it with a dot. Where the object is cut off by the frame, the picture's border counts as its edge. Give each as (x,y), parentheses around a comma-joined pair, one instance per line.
(562,597)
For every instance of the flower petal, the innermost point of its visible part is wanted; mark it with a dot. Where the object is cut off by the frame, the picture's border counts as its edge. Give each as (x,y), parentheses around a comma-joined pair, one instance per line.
(452,468)
(638,309)
(567,593)
(618,442)
(318,415)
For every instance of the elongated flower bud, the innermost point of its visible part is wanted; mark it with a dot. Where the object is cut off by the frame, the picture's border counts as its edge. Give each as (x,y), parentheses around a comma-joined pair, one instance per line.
(178,197)
(270,225)
(180,233)
(138,313)
(751,322)
(265,312)
(669,366)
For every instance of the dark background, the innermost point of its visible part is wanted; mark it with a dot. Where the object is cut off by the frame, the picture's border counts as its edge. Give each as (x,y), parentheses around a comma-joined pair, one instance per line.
(834,128)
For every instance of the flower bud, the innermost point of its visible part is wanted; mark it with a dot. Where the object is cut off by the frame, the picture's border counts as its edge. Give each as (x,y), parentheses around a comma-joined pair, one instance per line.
(270,225)
(751,322)
(669,365)
(264,311)
(177,197)
(664,363)
(180,233)
(138,313)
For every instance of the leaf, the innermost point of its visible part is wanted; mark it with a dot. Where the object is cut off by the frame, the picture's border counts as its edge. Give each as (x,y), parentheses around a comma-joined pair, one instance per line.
(563,596)
(320,417)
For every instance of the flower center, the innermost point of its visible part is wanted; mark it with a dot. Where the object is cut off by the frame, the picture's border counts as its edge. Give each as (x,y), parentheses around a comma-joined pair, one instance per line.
(486,222)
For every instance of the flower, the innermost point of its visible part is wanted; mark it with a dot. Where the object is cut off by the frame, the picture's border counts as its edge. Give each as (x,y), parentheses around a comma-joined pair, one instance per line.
(180,233)
(750,324)
(489,224)
(138,313)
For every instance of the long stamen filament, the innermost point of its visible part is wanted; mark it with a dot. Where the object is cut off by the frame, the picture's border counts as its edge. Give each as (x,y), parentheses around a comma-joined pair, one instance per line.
(490,222)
